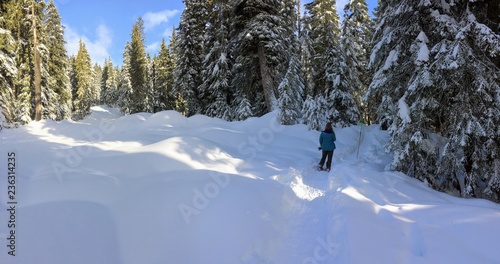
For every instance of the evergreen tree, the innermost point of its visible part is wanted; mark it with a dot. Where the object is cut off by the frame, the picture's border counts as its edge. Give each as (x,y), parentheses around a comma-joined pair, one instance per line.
(124,83)
(306,53)
(150,85)
(96,84)
(109,84)
(189,53)
(468,56)
(39,84)
(164,64)
(138,69)
(313,111)
(356,34)
(389,59)
(324,34)
(23,89)
(341,106)
(104,77)
(291,90)
(261,55)
(41,94)
(8,71)
(327,70)
(57,65)
(17,20)
(243,107)
(84,85)
(215,91)
(72,78)
(437,82)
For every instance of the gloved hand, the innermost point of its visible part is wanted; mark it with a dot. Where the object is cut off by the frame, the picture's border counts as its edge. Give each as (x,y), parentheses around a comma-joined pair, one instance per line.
(319,148)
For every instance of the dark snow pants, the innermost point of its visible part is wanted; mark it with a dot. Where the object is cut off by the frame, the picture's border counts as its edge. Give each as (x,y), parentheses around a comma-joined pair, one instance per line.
(329,155)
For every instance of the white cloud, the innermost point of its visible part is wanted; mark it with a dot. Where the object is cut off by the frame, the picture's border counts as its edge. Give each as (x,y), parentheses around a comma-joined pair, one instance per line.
(167,34)
(153,48)
(98,49)
(152,20)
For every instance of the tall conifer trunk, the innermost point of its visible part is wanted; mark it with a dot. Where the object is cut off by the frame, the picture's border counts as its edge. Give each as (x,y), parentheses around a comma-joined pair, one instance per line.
(267,79)
(38,78)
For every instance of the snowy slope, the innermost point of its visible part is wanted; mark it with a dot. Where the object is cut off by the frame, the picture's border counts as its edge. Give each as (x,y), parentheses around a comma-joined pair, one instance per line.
(163,188)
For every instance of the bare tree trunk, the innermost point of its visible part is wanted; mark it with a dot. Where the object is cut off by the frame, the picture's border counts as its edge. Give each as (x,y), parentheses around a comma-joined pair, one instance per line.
(267,80)
(38,78)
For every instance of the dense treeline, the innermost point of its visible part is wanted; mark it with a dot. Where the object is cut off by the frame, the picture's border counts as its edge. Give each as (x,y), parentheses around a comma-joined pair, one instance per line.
(428,71)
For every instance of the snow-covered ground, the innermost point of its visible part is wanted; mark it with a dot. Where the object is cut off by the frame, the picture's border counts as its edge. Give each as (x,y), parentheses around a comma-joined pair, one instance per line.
(162,188)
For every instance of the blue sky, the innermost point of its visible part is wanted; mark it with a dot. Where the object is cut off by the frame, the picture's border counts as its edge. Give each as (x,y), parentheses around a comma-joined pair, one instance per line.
(105,25)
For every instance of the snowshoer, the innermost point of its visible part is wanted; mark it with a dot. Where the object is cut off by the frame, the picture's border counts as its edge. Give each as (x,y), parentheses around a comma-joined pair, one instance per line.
(327,144)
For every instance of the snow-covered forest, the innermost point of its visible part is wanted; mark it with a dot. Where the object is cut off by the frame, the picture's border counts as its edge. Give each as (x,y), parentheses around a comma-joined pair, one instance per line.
(428,71)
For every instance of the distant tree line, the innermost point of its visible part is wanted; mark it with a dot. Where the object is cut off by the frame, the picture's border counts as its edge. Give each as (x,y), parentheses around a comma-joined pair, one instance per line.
(427,71)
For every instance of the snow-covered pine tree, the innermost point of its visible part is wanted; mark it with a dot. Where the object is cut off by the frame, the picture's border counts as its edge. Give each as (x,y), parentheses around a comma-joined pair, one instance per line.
(467,59)
(153,80)
(150,82)
(215,92)
(8,71)
(40,59)
(341,108)
(189,56)
(313,111)
(260,53)
(83,81)
(323,25)
(17,21)
(41,94)
(22,83)
(415,133)
(440,80)
(113,83)
(3,121)
(57,64)
(356,34)
(22,19)
(291,87)
(96,84)
(327,67)
(404,88)
(124,84)
(390,59)
(109,84)
(306,54)
(291,90)
(164,79)
(243,107)
(138,70)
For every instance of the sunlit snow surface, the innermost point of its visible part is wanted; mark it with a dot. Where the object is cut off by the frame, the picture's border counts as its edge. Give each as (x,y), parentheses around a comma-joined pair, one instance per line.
(162,188)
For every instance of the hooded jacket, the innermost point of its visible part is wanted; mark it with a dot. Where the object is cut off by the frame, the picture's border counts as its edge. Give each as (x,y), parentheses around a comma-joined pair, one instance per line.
(327,140)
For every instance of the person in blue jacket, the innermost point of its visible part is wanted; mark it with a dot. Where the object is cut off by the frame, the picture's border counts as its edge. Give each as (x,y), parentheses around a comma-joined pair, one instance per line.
(327,144)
